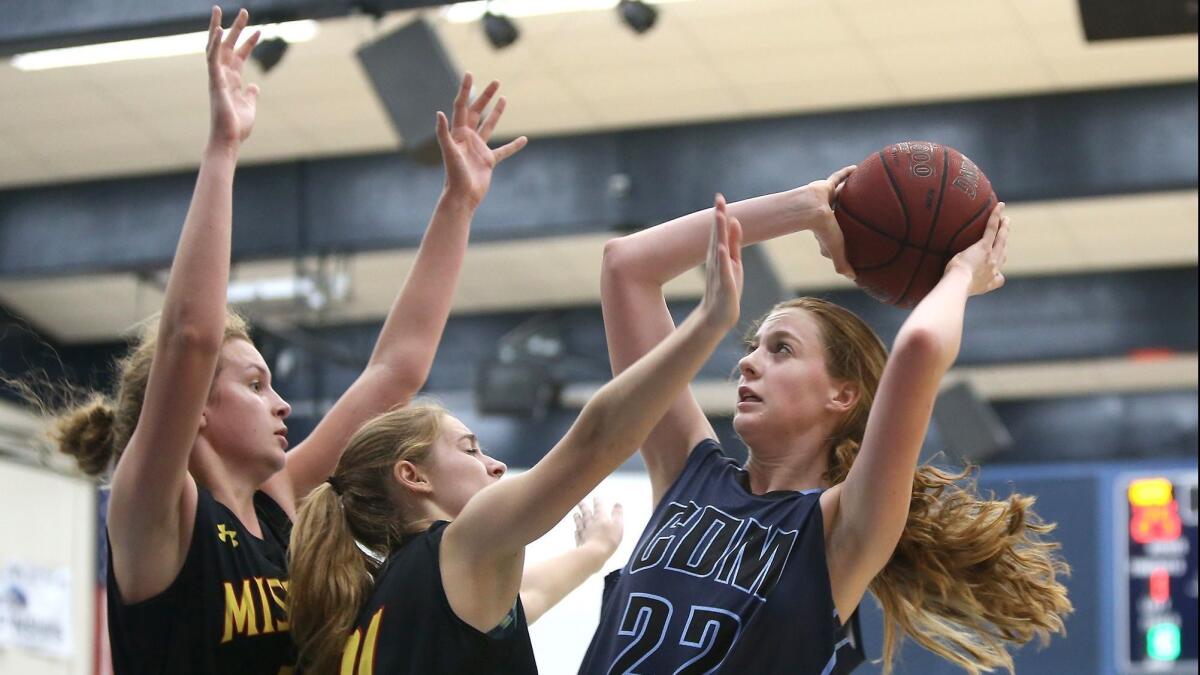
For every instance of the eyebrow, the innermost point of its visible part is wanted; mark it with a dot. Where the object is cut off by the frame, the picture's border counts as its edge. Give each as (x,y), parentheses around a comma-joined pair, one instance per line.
(469,437)
(255,366)
(778,332)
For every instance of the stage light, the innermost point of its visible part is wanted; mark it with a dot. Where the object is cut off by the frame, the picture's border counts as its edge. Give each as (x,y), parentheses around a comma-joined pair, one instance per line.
(268,53)
(500,30)
(637,15)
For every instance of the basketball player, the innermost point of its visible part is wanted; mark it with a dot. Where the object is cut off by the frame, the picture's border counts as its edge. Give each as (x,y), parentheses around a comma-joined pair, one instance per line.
(414,490)
(202,490)
(760,568)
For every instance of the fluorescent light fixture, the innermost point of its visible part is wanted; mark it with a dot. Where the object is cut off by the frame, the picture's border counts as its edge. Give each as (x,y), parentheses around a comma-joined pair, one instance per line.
(314,291)
(466,12)
(152,48)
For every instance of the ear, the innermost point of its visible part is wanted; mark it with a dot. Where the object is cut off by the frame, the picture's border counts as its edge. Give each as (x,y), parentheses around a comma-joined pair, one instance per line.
(204,418)
(844,397)
(410,477)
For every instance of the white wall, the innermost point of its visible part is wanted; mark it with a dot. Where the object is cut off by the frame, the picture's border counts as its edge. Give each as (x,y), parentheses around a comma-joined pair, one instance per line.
(561,636)
(49,520)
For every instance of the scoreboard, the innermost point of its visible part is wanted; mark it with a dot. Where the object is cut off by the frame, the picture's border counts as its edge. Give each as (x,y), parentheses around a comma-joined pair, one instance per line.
(1156,572)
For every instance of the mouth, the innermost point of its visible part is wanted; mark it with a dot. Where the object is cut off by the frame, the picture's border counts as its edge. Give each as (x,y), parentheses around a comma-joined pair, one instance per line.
(282,434)
(747,395)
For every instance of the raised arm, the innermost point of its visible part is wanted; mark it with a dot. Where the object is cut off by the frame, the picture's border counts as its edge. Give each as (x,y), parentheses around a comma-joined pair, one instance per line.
(153,503)
(635,314)
(598,532)
(872,503)
(407,343)
(494,527)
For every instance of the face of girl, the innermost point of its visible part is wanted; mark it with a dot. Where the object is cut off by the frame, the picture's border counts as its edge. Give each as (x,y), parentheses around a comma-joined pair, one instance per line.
(243,419)
(784,387)
(457,467)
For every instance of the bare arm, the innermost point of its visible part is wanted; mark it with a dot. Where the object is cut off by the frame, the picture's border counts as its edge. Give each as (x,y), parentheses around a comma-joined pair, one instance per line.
(597,534)
(407,343)
(635,314)
(872,503)
(153,498)
(494,527)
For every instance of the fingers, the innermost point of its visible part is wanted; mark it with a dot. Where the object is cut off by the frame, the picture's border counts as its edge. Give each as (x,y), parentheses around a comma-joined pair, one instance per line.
(618,513)
(735,240)
(459,116)
(480,104)
(719,218)
(511,148)
(838,177)
(442,126)
(214,32)
(493,118)
(252,91)
(585,510)
(993,225)
(247,46)
(235,31)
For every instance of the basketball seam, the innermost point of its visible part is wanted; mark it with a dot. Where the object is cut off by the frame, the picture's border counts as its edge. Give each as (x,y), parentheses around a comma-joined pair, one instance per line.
(907,222)
(937,211)
(967,224)
(881,233)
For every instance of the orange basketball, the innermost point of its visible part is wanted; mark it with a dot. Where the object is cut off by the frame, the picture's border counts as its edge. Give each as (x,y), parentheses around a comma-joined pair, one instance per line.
(905,212)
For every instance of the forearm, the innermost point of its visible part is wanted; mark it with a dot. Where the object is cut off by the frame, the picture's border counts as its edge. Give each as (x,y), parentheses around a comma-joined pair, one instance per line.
(195,295)
(408,340)
(545,584)
(661,253)
(938,319)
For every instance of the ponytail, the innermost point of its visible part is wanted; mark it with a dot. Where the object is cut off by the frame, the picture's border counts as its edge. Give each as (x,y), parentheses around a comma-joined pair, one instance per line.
(330,580)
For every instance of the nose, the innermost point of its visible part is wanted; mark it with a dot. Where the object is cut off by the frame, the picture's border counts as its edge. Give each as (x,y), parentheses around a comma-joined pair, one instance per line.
(747,368)
(495,467)
(282,408)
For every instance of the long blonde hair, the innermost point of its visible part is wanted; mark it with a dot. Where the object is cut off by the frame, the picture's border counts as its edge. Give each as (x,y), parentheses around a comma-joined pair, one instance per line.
(93,427)
(970,574)
(341,535)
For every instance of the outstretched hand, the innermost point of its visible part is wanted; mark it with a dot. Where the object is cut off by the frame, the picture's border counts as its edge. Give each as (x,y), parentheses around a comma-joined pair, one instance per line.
(723,267)
(824,225)
(464,142)
(984,260)
(232,104)
(596,526)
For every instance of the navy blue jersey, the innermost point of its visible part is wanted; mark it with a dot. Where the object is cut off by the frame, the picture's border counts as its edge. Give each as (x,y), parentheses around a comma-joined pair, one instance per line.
(724,581)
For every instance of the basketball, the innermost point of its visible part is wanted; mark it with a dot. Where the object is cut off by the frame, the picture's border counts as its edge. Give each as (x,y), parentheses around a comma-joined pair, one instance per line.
(905,212)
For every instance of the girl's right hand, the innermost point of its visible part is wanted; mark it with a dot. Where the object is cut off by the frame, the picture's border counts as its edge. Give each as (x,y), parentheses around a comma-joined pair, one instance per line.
(723,268)
(232,104)
(984,260)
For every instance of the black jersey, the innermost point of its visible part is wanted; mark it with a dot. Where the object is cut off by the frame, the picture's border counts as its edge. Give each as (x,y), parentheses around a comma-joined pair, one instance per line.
(408,628)
(724,581)
(225,614)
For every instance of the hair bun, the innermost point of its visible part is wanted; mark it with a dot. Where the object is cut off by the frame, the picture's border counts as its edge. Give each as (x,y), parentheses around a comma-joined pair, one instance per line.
(86,433)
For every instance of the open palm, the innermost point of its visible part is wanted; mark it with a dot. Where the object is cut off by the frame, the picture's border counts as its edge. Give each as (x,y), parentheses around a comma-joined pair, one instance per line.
(232,103)
(464,142)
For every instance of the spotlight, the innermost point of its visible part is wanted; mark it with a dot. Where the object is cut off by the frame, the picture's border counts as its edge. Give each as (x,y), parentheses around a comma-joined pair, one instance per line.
(269,52)
(638,15)
(500,30)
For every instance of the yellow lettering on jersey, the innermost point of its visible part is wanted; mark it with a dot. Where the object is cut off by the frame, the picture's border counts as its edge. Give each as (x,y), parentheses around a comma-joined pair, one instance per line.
(365,658)
(274,585)
(239,615)
(366,662)
(268,624)
(350,654)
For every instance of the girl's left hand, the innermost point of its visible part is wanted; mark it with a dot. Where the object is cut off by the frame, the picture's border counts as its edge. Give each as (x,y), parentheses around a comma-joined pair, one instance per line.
(595,526)
(464,141)
(985,259)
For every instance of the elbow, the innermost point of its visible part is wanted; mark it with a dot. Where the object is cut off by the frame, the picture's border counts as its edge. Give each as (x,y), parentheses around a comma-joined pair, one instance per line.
(187,337)
(618,259)
(925,346)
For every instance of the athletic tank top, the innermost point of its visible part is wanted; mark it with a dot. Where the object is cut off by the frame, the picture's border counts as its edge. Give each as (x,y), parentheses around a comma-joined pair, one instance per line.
(408,628)
(226,612)
(724,581)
